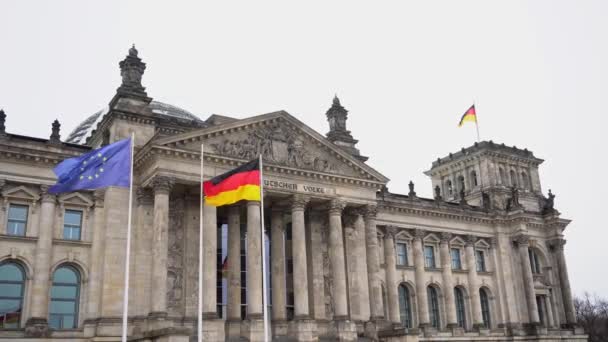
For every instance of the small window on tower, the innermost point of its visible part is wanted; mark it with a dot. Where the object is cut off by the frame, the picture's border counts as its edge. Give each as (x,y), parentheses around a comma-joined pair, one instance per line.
(474,178)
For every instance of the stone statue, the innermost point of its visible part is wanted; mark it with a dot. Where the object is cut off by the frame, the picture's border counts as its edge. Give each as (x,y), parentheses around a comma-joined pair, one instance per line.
(412,193)
(437,193)
(549,203)
(513,202)
(486,201)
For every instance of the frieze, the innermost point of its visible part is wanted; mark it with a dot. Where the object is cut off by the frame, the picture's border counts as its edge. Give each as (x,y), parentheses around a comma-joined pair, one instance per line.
(279,144)
(298,187)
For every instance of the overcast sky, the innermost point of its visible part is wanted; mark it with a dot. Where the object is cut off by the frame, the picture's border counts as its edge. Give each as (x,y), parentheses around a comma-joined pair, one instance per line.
(406,71)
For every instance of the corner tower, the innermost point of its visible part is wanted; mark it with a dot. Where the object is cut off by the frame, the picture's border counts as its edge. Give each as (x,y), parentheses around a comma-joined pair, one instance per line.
(491,175)
(338,134)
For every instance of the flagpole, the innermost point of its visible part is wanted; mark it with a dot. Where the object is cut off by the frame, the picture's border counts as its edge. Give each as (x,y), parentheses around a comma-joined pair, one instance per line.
(125,304)
(264,285)
(200,258)
(476,123)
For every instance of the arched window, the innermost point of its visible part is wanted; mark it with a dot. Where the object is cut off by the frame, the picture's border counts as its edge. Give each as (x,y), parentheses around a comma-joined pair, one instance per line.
(474,178)
(433,299)
(485,307)
(525,181)
(405,307)
(12,284)
(65,293)
(449,187)
(460,311)
(513,178)
(534,261)
(503,179)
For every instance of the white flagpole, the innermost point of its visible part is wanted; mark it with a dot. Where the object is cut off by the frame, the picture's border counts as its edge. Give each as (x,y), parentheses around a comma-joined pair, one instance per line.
(200,258)
(125,304)
(264,285)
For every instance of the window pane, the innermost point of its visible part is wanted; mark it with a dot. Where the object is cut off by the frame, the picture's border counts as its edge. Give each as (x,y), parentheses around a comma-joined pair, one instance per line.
(65,292)
(10,272)
(65,275)
(17,212)
(55,321)
(16,228)
(61,307)
(10,290)
(10,306)
(68,322)
(73,217)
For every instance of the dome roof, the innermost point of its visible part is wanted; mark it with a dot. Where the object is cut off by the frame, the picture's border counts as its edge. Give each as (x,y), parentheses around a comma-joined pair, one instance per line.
(80,134)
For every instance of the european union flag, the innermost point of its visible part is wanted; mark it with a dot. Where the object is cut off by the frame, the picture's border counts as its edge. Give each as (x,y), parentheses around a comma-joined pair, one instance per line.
(107,166)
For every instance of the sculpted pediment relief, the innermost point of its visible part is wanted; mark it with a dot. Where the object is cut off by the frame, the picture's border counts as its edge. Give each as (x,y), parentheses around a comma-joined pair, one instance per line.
(75,198)
(21,192)
(282,140)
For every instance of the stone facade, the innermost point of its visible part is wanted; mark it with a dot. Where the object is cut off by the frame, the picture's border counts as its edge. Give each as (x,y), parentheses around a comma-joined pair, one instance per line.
(348,260)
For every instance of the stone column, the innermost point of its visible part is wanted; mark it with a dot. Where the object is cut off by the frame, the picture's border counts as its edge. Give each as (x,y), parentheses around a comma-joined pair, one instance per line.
(448,282)
(557,246)
(42,264)
(523,243)
(97,247)
(254,262)
(391,275)
(162,187)
(423,305)
(473,281)
(209,261)
(548,311)
(336,257)
(255,303)
(363,281)
(279,311)
(373,264)
(298,249)
(233,311)
(496,267)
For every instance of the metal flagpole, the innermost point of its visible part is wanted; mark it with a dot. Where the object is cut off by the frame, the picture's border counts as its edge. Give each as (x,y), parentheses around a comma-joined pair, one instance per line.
(264,285)
(200,258)
(125,304)
(476,123)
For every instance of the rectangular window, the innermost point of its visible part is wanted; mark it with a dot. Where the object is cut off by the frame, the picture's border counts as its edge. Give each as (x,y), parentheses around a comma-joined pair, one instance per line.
(72,224)
(402,254)
(17,219)
(429,257)
(481,261)
(456,262)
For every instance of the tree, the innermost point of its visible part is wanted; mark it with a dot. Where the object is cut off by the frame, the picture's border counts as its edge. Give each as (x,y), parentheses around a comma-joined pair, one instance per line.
(592,315)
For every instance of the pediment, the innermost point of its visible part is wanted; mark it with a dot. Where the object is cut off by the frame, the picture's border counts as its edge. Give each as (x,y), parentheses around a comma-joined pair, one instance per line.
(403,235)
(21,192)
(75,198)
(283,140)
(482,244)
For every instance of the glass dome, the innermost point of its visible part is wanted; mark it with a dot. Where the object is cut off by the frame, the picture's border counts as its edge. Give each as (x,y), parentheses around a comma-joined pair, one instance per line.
(80,134)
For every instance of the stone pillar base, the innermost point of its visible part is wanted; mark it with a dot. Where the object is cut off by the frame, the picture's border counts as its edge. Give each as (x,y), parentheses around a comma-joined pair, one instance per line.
(168,335)
(233,330)
(213,330)
(346,331)
(37,327)
(253,330)
(455,329)
(515,329)
(280,328)
(481,329)
(304,330)
(157,320)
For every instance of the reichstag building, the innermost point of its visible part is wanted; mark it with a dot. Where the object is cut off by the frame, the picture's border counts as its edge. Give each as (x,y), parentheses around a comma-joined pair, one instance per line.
(348,260)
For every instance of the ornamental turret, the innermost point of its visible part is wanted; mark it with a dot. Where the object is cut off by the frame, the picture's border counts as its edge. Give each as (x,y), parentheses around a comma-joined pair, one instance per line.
(338,134)
(131,70)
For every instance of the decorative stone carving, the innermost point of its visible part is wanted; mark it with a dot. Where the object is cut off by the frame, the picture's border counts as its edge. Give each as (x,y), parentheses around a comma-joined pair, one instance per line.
(522,240)
(99,196)
(445,237)
(175,260)
(55,137)
(548,203)
(493,242)
(390,232)
(438,193)
(411,193)
(45,195)
(470,240)
(278,144)
(144,196)
(370,212)
(556,244)
(513,202)
(336,206)
(298,202)
(419,234)
(162,184)
(2,121)
(131,70)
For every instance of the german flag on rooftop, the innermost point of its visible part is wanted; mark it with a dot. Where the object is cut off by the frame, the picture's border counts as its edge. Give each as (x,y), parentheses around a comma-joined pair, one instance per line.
(469,115)
(242,183)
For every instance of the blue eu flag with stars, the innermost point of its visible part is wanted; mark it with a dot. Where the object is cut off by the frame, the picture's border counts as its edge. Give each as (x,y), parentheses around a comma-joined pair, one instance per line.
(106,166)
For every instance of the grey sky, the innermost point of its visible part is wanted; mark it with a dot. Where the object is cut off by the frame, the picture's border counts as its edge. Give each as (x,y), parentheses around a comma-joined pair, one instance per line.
(406,71)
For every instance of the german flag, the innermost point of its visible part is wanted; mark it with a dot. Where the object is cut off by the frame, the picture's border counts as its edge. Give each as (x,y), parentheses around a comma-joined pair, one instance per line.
(469,115)
(242,183)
